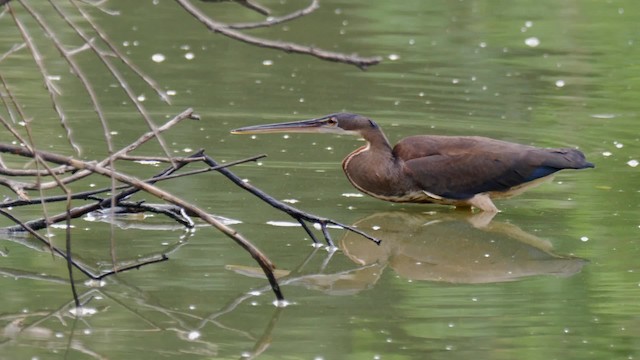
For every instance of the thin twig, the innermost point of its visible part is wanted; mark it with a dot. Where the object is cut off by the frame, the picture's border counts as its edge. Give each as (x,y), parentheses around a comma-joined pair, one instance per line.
(51,89)
(290,210)
(218,27)
(87,195)
(112,69)
(186,114)
(315,4)
(107,40)
(262,260)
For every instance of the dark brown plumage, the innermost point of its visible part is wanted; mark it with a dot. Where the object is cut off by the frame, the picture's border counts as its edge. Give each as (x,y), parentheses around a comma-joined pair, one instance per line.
(455,170)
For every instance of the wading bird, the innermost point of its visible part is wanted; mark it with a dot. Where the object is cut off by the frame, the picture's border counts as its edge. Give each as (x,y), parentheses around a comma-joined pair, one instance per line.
(463,171)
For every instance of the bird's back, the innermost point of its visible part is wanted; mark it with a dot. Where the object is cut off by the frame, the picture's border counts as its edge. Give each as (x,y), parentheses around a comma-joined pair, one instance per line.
(460,167)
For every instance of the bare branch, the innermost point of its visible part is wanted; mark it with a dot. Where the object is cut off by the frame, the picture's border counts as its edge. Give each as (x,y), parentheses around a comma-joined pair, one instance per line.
(315,4)
(218,27)
(51,88)
(107,40)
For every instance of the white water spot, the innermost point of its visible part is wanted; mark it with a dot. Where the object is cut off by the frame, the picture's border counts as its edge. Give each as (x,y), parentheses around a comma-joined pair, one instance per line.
(283,223)
(603,116)
(352,195)
(193,335)
(61,226)
(606,153)
(291,201)
(148,162)
(560,83)
(632,163)
(267,62)
(171,92)
(281,303)
(584,239)
(394,57)
(255,293)
(532,41)
(83,311)
(528,24)
(189,56)
(95,283)
(375,227)
(141,98)
(158,58)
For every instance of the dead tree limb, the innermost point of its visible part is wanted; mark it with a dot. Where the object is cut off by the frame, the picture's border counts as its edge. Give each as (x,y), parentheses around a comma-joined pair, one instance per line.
(224,29)
(299,215)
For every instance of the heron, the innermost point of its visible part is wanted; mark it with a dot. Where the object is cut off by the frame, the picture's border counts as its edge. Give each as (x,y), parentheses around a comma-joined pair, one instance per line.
(463,171)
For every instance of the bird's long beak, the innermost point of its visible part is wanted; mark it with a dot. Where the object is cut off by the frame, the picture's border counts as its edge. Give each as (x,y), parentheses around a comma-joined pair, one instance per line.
(324,124)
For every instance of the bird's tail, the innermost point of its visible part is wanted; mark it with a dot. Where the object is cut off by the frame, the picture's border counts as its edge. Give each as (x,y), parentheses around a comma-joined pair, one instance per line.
(567,159)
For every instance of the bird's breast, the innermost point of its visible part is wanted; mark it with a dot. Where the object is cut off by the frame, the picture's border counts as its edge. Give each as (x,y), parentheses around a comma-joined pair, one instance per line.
(377,173)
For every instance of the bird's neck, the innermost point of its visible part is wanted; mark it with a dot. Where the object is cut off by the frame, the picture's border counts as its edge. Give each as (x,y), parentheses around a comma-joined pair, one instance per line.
(372,168)
(377,141)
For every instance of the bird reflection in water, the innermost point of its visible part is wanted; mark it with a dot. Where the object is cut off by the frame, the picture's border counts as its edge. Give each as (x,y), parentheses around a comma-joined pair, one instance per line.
(452,248)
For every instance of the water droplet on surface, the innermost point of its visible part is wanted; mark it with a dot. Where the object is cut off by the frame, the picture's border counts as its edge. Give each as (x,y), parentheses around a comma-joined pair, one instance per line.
(632,163)
(158,58)
(267,62)
(283,223)
(83,311)
(394,57)
(560,83)
(532,41)
(193,335)
(584,239)
(281,303)
(603,116)
(189,56)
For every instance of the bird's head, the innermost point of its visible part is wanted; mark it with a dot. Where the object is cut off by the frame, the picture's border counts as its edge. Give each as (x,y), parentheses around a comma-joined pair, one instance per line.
(339,123)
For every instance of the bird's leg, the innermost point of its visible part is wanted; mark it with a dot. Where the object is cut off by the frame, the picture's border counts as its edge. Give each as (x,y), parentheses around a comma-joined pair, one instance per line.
(483,202)
(482,219)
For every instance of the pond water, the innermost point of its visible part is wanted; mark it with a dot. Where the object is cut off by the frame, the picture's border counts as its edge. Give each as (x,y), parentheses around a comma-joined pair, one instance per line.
(555,275)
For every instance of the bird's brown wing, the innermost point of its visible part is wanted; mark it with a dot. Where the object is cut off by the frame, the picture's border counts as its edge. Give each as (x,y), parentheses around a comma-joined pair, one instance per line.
(460,167)
(463,176)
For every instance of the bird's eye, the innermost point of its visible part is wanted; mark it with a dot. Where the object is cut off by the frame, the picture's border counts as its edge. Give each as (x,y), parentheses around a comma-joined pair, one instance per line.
(333,120)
